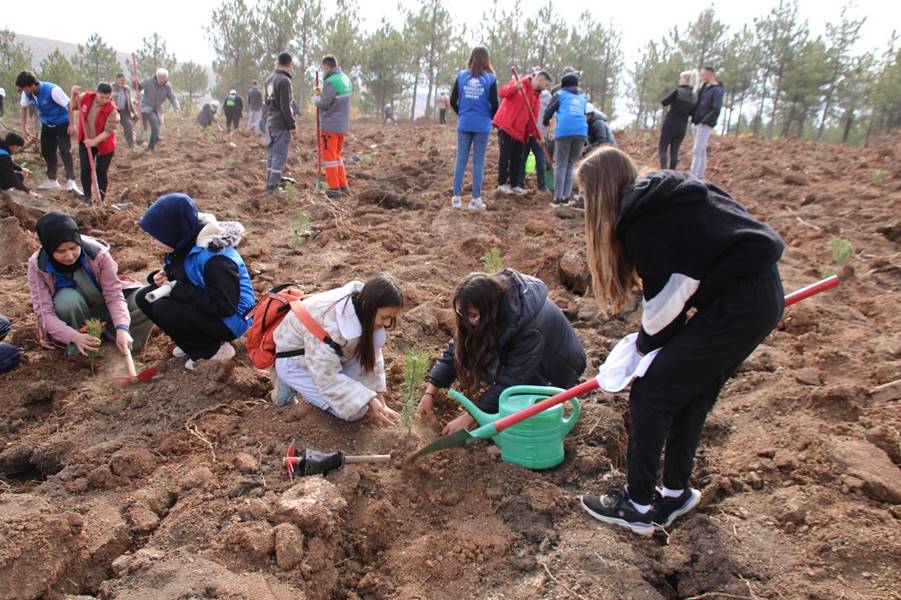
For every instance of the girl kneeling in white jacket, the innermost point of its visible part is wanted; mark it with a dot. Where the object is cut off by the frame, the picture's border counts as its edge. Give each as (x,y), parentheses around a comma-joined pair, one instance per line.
(355,317)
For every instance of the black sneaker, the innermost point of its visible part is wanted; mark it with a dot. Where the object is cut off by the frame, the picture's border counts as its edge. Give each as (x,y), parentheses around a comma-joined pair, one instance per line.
(334,194)
(617,509)
(669,509)
(345,191)
(558,202)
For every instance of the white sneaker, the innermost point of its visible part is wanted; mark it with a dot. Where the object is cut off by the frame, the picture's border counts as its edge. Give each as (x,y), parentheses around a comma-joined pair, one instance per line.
(456,202)
(226,352)
(519,191)
(49,184)
(477,204)
(505,189)
(178,352)
(71,186)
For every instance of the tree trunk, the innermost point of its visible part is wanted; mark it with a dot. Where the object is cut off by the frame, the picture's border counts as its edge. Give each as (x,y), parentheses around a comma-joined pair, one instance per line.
(415,90)
(741,103)
(849,121)
(826,110)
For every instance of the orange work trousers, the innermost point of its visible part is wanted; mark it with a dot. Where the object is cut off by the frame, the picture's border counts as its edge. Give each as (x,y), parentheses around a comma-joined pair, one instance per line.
(331,145)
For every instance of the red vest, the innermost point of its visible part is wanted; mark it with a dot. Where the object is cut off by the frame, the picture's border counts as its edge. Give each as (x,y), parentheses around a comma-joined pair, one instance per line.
(107,146)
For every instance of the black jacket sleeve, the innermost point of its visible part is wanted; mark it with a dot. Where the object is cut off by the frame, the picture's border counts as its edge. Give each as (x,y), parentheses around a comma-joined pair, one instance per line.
(668,99)
(492,98)
(284,101)
(444,372)
(716,105)
(10,176)
(222,293)
(519,363)
(455,97)
(552,107)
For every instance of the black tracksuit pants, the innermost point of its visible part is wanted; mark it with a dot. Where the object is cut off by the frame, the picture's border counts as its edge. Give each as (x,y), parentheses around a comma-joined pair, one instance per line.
(671,144)
(668,406)
(53,138)
(196,332)
(509,169)
(101,165)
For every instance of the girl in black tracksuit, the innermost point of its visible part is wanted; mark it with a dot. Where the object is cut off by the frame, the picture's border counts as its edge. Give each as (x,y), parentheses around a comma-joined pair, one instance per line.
(689,245)
(681,102)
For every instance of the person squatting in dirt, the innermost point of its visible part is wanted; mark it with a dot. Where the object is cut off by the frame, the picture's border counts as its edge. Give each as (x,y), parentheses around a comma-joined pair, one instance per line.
(689,245)
(233,107)
(333,103)
(10,357)
(12,175)
(474,99)
(281,128)
(344,374)
(52,106)
(681,102)
(515,126)
(156,90)
(207,114)
(570,134)
(72,278)
(509,332)
(97,122)
(204,285)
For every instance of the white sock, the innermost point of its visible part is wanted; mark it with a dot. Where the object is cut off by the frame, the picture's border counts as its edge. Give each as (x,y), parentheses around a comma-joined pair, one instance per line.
(642,508)
(668,493)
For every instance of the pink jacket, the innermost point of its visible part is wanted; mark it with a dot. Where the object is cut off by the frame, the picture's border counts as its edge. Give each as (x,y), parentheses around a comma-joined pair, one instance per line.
(42,287)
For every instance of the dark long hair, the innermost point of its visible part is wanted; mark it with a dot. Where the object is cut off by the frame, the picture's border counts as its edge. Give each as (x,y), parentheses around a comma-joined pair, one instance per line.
(476,347)
(380,291)
(479,61)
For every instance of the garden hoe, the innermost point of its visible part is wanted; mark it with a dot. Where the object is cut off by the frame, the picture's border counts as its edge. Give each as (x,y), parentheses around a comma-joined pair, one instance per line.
(133,376)
(95,187)
(491,429)
(522,92)
(314,462)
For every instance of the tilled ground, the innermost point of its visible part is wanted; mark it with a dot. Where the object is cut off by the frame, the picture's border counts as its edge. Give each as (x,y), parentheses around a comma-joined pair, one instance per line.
(174,489)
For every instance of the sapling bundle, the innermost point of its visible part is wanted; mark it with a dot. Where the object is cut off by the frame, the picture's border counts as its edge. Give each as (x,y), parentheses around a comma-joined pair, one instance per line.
(416,363)
(93,327)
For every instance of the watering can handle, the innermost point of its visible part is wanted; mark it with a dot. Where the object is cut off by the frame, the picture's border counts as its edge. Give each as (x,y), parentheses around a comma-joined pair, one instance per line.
(570,421)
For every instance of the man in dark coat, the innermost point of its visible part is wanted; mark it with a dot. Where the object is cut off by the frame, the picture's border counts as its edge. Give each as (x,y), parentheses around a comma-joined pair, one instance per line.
(706,114)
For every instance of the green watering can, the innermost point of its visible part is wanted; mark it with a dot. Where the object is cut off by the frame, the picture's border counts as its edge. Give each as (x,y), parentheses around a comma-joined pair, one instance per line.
(535,442)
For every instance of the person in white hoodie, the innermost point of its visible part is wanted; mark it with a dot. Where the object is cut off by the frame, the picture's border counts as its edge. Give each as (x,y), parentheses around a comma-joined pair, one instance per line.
(344,374)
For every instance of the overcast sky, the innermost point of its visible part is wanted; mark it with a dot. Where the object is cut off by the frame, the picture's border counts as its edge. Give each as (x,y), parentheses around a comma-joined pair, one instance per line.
(181,23)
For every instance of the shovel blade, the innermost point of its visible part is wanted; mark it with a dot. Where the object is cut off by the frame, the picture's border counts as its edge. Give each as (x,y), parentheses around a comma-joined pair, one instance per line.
(457,438)
(147,374)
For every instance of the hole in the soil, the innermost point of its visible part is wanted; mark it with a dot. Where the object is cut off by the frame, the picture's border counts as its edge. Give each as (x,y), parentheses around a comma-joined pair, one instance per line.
(29,471)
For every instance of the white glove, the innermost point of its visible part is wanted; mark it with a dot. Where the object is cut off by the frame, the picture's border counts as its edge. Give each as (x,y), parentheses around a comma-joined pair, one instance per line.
(624,364)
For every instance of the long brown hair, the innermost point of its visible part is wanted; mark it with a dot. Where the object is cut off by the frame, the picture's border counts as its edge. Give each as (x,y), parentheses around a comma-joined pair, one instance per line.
(603,177)
(476,346)
(480,61)
(380,291)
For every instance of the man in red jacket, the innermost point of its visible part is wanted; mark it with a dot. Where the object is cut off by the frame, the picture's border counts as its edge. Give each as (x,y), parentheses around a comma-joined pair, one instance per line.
(514,126)
(97,119)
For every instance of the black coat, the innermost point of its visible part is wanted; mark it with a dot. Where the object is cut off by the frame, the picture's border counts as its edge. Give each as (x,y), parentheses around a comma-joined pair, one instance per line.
(710,103)
(11,175)
(536,345)
(681,102)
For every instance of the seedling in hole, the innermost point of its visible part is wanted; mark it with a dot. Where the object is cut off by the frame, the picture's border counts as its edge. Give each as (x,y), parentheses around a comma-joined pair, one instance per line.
(93,327)
(300,227)
(290,191)
(416,363)
(878,176)
(841,250)
(492,261)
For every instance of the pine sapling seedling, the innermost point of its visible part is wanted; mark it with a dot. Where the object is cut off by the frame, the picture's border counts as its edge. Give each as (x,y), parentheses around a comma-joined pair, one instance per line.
(93,327)
(492,261)
(878,176)
(841,250)
(415,364)
(300,228)
(290,191)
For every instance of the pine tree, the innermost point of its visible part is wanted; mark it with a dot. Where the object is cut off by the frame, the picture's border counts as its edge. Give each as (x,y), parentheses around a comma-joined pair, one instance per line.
(15,57)
(57,69)
(95,62)
(341,36)
(842,38)
(704,41)
(154,55)
(193,80)
(382,70)
(232,32)
(739,71)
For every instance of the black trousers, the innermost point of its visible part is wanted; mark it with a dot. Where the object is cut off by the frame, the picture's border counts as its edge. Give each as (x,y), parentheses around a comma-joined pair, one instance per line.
(232,121)
(671,143)
(442,116)
(668,406)
(198,333)
(509,170)
(101,165)
(53,138)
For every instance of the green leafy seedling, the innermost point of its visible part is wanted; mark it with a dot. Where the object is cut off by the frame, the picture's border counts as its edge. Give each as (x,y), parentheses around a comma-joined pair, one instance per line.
(300,227)
(492,261)
(416,363)
(841,250)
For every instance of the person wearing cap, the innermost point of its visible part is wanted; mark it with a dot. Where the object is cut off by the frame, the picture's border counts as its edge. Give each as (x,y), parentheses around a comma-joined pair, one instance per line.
(599,133)
(156,90)
(207,114)
(570,134)
(52,105)
(11,174)
(233,106)
(127,115)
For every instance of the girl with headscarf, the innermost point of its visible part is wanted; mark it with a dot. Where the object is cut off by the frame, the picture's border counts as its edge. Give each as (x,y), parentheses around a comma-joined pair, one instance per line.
(73,278)
(209,288)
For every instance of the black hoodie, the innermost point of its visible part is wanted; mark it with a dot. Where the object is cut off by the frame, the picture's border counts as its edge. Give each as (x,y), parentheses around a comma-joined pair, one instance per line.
(536,345)
(689,241)
(11,175)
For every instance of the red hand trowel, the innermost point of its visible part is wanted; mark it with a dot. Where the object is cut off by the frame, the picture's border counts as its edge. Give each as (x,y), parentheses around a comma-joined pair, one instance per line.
(489,430)
(314,462)
(133,376)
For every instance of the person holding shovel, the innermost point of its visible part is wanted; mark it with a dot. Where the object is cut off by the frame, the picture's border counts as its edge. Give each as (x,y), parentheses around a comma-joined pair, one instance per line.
(689,246)
(73,278)
(333,102)
(533,146)
(200,295)
(97,119)
(509,332)
(344,373)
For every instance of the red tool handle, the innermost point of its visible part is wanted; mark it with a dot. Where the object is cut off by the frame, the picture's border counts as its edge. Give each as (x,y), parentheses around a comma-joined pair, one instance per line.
(592,384)
(522,92)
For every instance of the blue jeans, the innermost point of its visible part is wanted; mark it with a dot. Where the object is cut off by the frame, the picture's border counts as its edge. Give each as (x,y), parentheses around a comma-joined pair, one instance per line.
(540,162)
(9,354)
(479,144)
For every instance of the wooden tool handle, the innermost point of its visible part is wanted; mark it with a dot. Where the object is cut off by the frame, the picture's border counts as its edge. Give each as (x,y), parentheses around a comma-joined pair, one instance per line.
(367,458)
(129,361)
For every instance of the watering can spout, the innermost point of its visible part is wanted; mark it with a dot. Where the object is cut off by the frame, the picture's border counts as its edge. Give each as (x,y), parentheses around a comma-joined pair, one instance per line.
(482,418)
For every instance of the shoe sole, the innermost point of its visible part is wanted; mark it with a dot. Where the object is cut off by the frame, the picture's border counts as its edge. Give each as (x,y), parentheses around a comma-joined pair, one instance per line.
(686,508)
(642,530)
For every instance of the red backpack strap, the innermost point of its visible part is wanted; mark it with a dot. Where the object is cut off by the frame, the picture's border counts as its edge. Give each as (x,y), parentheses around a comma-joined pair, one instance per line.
(313,326)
